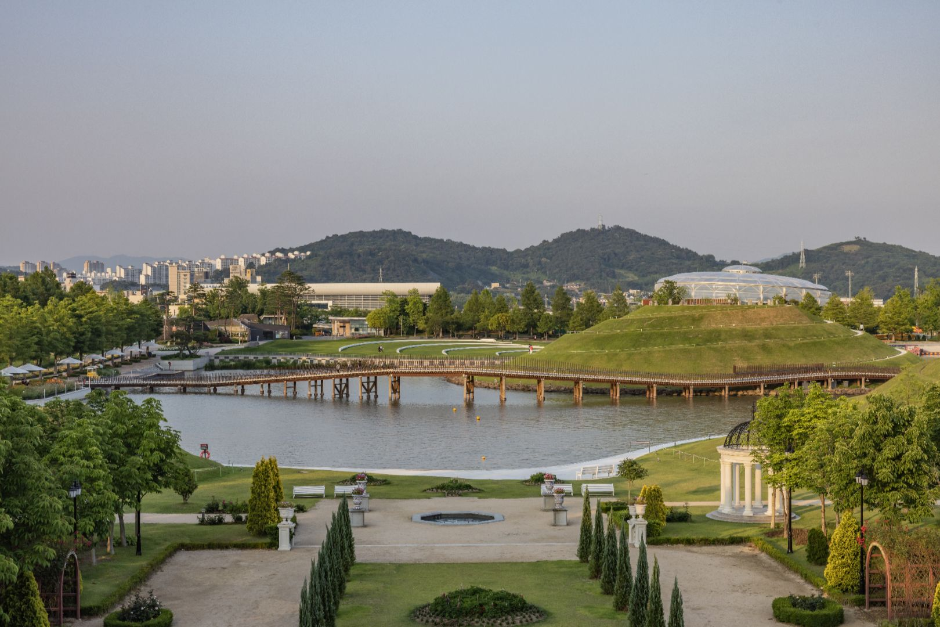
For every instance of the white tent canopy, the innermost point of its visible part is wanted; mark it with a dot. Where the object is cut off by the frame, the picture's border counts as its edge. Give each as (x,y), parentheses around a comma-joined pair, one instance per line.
(94,357)
(10,371)
(69,361)
(114,352)
(32,368)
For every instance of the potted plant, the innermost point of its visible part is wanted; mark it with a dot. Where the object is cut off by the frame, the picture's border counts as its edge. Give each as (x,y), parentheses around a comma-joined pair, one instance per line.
(549,480)
(640,507)
(357,493)
(286,510)
(362,479)
(559,494)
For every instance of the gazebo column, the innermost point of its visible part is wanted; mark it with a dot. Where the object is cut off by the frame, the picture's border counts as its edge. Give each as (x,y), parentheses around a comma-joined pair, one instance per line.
(757,485)
(735,485)
(748,489)
(726,468)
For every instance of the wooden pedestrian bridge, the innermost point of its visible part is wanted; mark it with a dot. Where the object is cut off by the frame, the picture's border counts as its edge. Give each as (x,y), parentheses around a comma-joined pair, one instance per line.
(339,371)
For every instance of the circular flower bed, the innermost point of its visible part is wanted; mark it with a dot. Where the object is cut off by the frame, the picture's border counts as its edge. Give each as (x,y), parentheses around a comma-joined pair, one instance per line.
(811,611)
(454,487)
(370,480)
(478,607)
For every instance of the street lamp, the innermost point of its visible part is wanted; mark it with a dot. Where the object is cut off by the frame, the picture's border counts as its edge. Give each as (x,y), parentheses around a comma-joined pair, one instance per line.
(862,480)
(75,491)
(789,506)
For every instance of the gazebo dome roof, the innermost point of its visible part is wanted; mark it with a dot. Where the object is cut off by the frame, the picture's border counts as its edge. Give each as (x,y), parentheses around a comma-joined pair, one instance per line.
(739,436)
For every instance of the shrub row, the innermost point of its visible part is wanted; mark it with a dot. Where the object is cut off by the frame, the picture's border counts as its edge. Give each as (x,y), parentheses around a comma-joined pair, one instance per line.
(693,541)
(137,578)
(165,619)
(830,613)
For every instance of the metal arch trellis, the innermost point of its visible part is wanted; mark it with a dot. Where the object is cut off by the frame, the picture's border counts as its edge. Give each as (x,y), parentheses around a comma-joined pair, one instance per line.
(65,580)
(905,589)
(739,436)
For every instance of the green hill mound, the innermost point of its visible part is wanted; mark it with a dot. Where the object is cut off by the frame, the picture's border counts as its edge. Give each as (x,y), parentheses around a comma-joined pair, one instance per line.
(715,339)
(909,386)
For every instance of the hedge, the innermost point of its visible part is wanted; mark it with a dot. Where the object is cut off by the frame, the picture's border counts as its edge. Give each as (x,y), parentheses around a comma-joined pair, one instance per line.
(693,541)
(830,616)
(165,619)
(145,571)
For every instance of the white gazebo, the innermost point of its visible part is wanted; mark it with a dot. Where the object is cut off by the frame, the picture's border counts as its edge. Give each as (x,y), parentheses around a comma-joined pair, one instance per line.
(739,470)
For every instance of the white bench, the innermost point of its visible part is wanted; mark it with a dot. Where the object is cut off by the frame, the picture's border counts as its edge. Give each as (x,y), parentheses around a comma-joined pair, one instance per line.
(597,488)
(309,490)
(607,470)
(567,487)
(343,490)
(593,472)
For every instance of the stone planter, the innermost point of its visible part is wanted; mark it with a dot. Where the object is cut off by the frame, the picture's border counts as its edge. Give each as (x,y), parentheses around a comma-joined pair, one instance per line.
(549,484)
(360,502)
(560,517)
(632,510)
(362,484)
(559,500)
(640,509)
(286,513)
(357,518)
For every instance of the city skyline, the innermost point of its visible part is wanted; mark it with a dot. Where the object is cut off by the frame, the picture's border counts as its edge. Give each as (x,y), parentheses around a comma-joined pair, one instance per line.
(202,129)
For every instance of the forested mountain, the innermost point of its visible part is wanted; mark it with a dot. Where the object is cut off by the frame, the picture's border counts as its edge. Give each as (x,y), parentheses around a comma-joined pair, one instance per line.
(597,258)
(877,265)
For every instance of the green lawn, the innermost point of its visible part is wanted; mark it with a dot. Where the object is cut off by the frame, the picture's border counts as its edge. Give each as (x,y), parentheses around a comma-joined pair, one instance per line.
(102,581)
(426,348)
(715,339)
(386,593)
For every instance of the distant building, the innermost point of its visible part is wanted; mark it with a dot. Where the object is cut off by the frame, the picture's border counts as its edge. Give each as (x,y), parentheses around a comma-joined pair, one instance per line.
(92,266)
(745,283)
(224,263)
(155,274)
(27,267)
(179,279)
(351,327)
(367,296)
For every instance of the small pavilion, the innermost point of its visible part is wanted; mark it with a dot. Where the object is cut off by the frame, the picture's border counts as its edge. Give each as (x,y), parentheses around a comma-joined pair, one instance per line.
(739,470)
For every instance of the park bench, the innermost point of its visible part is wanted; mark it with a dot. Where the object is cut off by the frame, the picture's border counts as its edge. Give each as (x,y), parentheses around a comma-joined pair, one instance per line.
(587,471)
(607,470)
(343,490)
(567,487)
(597,488)
(309,490)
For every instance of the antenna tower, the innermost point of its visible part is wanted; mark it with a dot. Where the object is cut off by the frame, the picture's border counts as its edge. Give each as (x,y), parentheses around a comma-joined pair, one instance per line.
(802,256)
(816,276)
(915,282)
(600,222)
(380,274)
(850,274)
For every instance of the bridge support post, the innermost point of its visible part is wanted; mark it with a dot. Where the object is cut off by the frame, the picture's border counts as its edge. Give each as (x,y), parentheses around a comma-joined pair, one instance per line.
(468,386)
(242,391)
(540,390)
(651,391)
(761,389)
(215,390)
(295,389)
(261,389)
(369,386)
(394,387)
(502,389)
(341,388)
(690,391)
(309,389)
(578,391)
(727,392)
(285,389)
(615,392)
(269,389)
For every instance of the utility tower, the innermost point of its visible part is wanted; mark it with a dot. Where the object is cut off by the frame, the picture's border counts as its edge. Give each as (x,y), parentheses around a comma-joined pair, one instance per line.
(850,274)
(915,282)
(600,222)
(816,276)
(380,274)
(802,256)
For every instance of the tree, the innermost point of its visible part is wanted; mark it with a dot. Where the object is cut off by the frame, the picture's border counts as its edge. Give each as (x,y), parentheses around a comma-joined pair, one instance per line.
(31,517)
(842,569)
(669,293)
(561,309)
(835,311)
(928,308)
(262,507)
(862,312)
(532,306)
(20,603)
(632,471)
(617,306)
(813,461)
(656,617)
(676,618)
(440,310)
(640,594)
(624,573)
(898,314)
(609,569)
(472,311)
(817,547)
(779,430)
(810,305)
(545,324)
(596,563)
(184,482)
(289,291)
(274,474)
(655,515)
(590,309)
(584,541)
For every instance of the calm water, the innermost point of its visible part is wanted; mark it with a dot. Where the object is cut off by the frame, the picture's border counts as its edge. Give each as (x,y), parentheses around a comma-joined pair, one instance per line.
(423,432)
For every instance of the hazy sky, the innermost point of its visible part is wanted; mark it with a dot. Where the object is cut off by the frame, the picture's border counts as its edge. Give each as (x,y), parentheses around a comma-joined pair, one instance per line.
(203,128)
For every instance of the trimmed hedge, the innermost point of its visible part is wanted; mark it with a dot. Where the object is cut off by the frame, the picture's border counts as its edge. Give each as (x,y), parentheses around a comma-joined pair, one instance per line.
(139,577)
(165,619)
(692,541)
(830,615)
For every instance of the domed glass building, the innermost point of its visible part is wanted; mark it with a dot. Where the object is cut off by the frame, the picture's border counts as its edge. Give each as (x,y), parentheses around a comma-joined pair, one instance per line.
(747,283)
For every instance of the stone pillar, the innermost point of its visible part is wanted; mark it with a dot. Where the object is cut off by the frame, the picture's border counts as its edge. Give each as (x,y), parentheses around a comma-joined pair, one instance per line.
(283,535)
(357,518)
(735,488)
(748,489)
(727,480)
(757,485)
(721,501)
(560,517)
(639,532)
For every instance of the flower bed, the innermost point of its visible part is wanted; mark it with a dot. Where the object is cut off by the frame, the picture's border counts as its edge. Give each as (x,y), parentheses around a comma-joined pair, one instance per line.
(478,606)
(454,487)
(812,611)
(165,619)
(140,612)
(370,480)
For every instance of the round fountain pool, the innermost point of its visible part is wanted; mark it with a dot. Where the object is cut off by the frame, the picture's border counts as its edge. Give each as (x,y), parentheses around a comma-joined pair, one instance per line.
(457,518)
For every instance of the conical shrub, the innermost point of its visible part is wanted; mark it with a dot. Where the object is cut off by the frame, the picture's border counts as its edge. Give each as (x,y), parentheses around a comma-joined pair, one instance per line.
(22,603)
(842,568)
(624,582)
(584,542)
(596,563)
(676,619)
(640,594)
(655,615)
(326,586)
(305,620)
(262,508)
(609,568)
(275,477)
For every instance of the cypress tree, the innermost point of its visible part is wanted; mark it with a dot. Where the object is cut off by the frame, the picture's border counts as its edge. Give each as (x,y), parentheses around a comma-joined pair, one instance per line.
(624,575)
(328,599)
(316,601)
(275,477)
(596,563)
(262,508)
(676,619)
(584,543)
(656,617)
(609,570)
(304,606)
(338,572)
(640,594)
(350,539)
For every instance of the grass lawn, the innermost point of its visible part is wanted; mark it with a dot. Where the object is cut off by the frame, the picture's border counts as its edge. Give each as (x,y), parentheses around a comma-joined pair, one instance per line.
(102,581)
(386,593)
(369,346)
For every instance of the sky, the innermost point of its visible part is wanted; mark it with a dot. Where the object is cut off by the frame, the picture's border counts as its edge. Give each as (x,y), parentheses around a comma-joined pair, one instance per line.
(207,128)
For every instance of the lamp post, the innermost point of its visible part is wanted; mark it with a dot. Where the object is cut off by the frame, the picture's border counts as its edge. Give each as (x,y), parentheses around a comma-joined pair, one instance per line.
(862,480)
(75,490)
(789,506)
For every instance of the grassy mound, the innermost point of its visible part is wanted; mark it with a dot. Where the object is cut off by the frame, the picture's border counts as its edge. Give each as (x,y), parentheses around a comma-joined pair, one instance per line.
(704,339)
(909,386)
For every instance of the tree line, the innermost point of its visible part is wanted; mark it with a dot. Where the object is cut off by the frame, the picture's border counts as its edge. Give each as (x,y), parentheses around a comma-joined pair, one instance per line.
(899,315)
